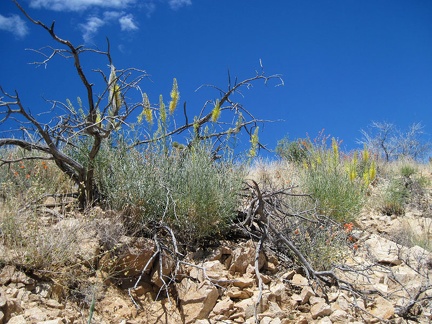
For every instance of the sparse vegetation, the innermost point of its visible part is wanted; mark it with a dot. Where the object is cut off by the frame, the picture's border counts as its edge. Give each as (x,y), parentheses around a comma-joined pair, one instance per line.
(85,178)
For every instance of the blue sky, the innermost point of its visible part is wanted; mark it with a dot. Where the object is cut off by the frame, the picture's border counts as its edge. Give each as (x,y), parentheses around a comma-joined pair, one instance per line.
(344,62)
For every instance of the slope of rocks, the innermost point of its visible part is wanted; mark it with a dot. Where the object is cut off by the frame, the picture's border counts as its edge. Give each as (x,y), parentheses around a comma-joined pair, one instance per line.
(221,286)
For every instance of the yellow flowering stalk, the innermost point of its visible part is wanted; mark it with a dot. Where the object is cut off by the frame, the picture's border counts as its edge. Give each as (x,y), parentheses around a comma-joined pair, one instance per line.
(335,147)
(216,111)
(114,93)
(254,143)
(196,125)
(352,169)
(365,154)
(239,123)
(98,116)
(162,111)
(372,171)
(366,178)
(146,112)
(352,174)
(175,96)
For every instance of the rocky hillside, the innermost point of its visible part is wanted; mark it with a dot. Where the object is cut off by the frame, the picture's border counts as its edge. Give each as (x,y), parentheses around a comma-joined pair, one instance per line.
(378,281)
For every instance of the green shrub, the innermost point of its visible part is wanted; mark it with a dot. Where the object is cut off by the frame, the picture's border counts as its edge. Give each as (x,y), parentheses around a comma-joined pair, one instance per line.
(292,151)
(407,171)
(325,177)
(183,188)
(405,186)
(338,181)
(337,195)
(395,197)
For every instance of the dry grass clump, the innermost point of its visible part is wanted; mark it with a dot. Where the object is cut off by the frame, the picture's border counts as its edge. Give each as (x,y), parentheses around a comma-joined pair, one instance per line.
(35,236)
(277,174)
(414,233)
(26,178)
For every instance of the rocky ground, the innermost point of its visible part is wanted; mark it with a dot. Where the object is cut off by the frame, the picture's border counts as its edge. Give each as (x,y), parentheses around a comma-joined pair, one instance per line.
(388,282)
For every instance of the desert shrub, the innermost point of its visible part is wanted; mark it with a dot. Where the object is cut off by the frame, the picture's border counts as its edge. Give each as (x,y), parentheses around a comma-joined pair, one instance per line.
(405,185)
(184,188)
(395,197)
(407,170)
(321,240)
(338,197)
(337,181)
(292,151)
(339,191)
(28,232)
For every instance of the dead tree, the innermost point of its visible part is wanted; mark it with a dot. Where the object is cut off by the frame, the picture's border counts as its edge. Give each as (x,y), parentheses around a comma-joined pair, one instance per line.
(103,114)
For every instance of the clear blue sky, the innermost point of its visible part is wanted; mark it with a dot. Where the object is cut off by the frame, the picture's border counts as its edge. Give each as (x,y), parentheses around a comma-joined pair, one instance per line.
(344,62)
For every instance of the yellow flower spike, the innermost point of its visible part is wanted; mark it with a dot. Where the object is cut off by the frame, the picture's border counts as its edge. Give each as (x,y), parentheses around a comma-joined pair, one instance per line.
(146,112)
(117,97)
(335,147)
(196,125)
(365,154)
(239,123)
(372,171)
(254,143)
(366,178)
(353,175)
(148,115)
(175,97)
(114,93)
(98,116)
(162,110)
(216,111)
